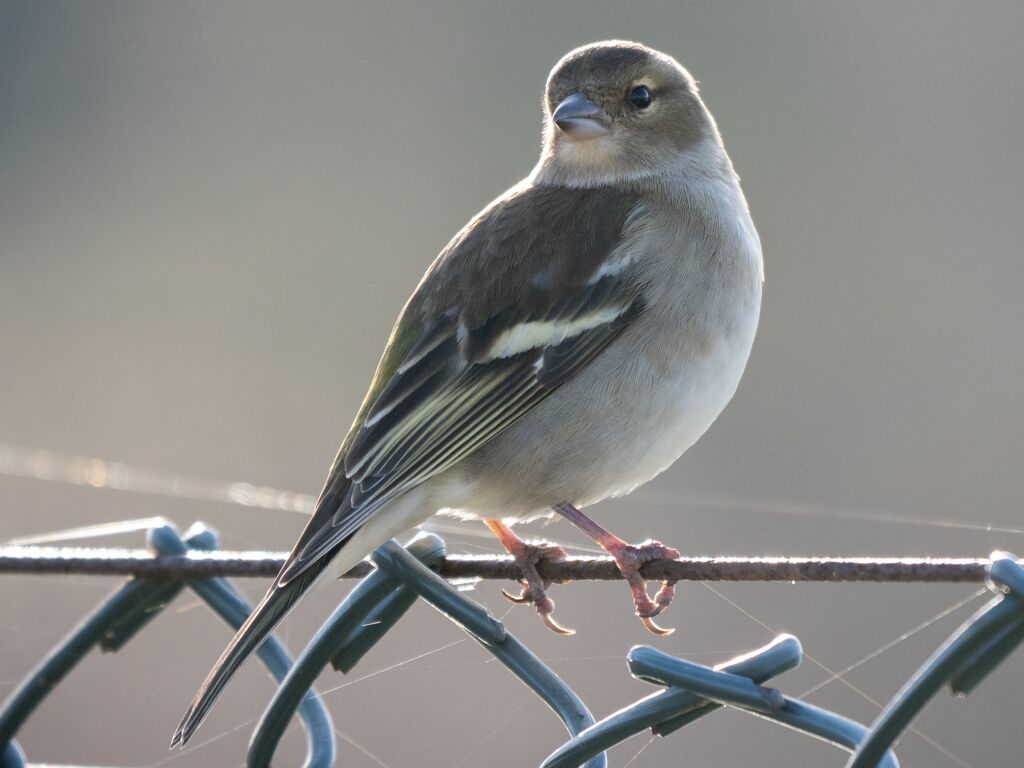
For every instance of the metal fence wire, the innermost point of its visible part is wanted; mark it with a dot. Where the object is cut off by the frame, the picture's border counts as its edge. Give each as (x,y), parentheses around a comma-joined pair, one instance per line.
(396,577)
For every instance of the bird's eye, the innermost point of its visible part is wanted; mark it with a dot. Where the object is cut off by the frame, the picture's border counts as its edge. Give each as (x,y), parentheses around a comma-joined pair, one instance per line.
(640,97)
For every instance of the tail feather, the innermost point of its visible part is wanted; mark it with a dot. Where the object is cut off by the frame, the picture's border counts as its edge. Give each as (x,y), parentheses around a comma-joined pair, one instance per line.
(267,615)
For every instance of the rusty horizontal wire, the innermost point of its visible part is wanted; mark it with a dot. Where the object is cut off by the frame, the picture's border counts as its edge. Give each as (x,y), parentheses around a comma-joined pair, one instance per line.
(141,562)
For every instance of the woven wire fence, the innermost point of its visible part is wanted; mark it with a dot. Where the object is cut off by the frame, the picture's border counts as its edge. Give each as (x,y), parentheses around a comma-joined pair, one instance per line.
(396,576)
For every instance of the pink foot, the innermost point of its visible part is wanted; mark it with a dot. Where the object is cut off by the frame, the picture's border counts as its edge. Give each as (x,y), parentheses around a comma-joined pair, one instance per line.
(534,587)
(630,559)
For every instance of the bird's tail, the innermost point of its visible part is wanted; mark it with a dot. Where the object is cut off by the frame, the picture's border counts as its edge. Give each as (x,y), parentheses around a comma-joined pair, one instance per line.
(271,609)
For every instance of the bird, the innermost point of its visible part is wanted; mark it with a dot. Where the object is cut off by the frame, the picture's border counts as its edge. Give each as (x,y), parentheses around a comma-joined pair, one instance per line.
(568,344)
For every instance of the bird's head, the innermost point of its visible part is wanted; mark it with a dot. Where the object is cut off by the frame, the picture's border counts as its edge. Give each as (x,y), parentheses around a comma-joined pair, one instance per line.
(616,111)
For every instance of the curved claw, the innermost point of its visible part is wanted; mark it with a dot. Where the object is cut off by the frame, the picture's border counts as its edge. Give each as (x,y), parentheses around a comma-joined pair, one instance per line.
(522,598)
(544,608)
(557,628)
(648,622)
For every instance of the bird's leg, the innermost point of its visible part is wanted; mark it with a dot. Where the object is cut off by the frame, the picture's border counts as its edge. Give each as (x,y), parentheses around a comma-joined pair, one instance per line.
(527,557)
(630,560)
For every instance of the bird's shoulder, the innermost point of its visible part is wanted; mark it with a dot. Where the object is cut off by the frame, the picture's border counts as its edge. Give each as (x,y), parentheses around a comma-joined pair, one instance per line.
(526,250)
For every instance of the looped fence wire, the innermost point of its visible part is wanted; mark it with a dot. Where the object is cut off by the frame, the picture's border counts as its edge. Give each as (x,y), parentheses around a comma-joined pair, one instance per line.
(120,617)
(398,576)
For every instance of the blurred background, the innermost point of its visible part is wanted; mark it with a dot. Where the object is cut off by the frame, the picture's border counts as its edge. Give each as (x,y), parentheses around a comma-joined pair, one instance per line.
(210,214)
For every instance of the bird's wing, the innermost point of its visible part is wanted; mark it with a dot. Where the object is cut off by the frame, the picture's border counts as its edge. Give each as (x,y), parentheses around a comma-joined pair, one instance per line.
(523,298)
(520,301)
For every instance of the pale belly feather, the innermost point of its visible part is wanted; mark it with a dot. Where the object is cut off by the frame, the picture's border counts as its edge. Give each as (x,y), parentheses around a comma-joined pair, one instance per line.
(616,427)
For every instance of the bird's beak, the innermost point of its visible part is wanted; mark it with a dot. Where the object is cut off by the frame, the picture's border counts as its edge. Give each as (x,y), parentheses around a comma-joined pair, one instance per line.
(580,118)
